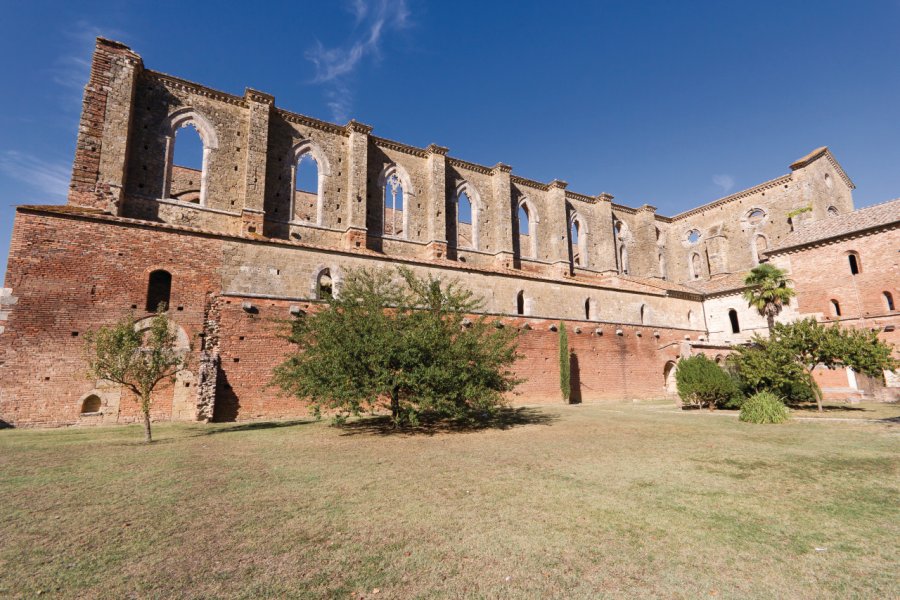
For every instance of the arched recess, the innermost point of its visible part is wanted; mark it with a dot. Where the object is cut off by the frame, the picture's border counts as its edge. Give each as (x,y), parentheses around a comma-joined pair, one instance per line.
(587,309)
(185,117)
(661,258)
(578,238)
(670,384)
(300,151)
(325,278)
(397,195)
(854,262)
(527,234)
(644,314)
(759,245)
(520,302)
(184,392)
(90,404)
(733,319)
(458,237)
(159,290)
(696,265)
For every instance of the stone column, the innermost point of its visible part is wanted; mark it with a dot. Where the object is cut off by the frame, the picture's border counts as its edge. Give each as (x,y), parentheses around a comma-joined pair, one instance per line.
(557,228)
(104,131)
(437,201)
(501,187)
(260,107)
(603,236)
(357,167)
(643,255)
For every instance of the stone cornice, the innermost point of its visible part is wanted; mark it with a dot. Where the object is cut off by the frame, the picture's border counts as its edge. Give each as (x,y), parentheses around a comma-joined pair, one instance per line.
(625,209)
(251,95)
(766,185)
(462,164)
(581,197)
(531,183)
(501,168)
(354,126)
(299,119)
(405,148)
(435,149)
(835,239)
(193,88)
(557,184)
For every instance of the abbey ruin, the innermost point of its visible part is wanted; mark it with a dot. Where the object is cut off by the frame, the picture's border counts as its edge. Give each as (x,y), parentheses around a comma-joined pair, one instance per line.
(236,244)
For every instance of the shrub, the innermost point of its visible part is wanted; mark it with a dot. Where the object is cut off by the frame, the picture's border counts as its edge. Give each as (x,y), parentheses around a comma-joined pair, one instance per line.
(702,382)
(764,407)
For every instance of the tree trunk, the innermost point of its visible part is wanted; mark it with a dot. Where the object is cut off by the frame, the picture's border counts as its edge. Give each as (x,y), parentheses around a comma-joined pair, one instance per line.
(145,408)
(817,391)
(770,319)
(395,406)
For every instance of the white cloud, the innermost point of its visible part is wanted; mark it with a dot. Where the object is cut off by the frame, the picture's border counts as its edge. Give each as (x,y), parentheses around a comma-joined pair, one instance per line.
(373,19)
(725,182)
(72,68)
(50,178)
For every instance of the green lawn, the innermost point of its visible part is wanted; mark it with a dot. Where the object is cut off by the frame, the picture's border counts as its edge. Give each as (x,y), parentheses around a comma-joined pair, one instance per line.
(571,502)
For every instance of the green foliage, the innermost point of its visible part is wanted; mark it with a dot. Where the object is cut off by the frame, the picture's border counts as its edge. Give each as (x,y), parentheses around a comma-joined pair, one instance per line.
(136,359)
(764,407)
(784,362)
(392,339)
(701,382)
(565,370)
(799,211)
(769,290)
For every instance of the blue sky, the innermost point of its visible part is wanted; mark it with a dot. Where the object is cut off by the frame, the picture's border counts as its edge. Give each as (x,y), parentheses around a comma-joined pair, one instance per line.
(668,103)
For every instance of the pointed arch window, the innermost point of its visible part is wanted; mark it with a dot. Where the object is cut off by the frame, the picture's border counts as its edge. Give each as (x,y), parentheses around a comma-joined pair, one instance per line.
(187,182)
(696,264)
(645,314)
(733,319)
(855,263)
(309,169)
(889,300)
(520,303)
(463,214)
(760,245)
(526,221)
(578,241)
(587,309)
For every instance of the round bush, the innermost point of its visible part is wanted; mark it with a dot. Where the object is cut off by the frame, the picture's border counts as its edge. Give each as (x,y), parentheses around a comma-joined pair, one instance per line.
(764,407)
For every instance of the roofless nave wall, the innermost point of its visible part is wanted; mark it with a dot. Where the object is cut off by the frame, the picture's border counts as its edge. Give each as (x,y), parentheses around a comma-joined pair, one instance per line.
(397,199)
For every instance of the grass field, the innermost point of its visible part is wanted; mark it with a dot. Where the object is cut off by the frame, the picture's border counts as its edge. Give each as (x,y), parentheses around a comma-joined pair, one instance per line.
(571,502)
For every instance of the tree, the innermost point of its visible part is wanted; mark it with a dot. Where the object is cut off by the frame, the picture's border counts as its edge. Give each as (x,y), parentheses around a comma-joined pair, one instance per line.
(769,290)
(795,349)
(136,359)
(390,338)
(701,381)
(565,370)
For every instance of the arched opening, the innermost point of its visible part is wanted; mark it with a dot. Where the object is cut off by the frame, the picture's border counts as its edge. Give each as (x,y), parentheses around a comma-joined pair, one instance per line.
(696,266)
(465,234)
(760,244)
(855,264)
(623,258)
(645,313)
(832,211)
(306,189)
(719,359)
(520,303)
(394,199)
(661,258)
(187,164)
(189,140)
(159,290)
(324,285)
(756,216)
(669,382)
(587,309)
(91,405)
(577,241)
(835,308)
(527,235)
(889,300)
(733,318)
(690,318)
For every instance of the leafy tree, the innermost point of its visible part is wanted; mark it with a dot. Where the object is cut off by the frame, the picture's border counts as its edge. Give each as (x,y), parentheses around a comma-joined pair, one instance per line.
(795,349)
(410,345)
(136,359)
(702,382)
(769,290)
(565,369)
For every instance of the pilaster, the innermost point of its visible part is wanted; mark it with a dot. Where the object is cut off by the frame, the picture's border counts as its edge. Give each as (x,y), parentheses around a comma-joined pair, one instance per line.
(260,108)
(437,201)
(501,187)
(357,166)
(558,225)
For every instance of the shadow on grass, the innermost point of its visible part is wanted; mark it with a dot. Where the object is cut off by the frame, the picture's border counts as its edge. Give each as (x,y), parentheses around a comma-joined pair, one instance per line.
(257,426)
(828,407)
(506,418)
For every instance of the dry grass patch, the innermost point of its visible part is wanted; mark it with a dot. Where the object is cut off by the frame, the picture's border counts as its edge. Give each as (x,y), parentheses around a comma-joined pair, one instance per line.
(566,502)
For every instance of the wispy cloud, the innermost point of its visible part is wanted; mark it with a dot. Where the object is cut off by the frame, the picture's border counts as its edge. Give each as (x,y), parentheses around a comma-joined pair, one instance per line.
(50,178)
(72,68)
(724,182)
(373,19)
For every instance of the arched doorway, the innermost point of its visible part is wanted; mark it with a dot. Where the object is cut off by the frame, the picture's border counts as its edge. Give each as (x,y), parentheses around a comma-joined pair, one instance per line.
(670,384)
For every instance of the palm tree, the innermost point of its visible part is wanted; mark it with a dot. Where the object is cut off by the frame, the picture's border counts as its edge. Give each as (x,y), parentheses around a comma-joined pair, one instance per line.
(768,291)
